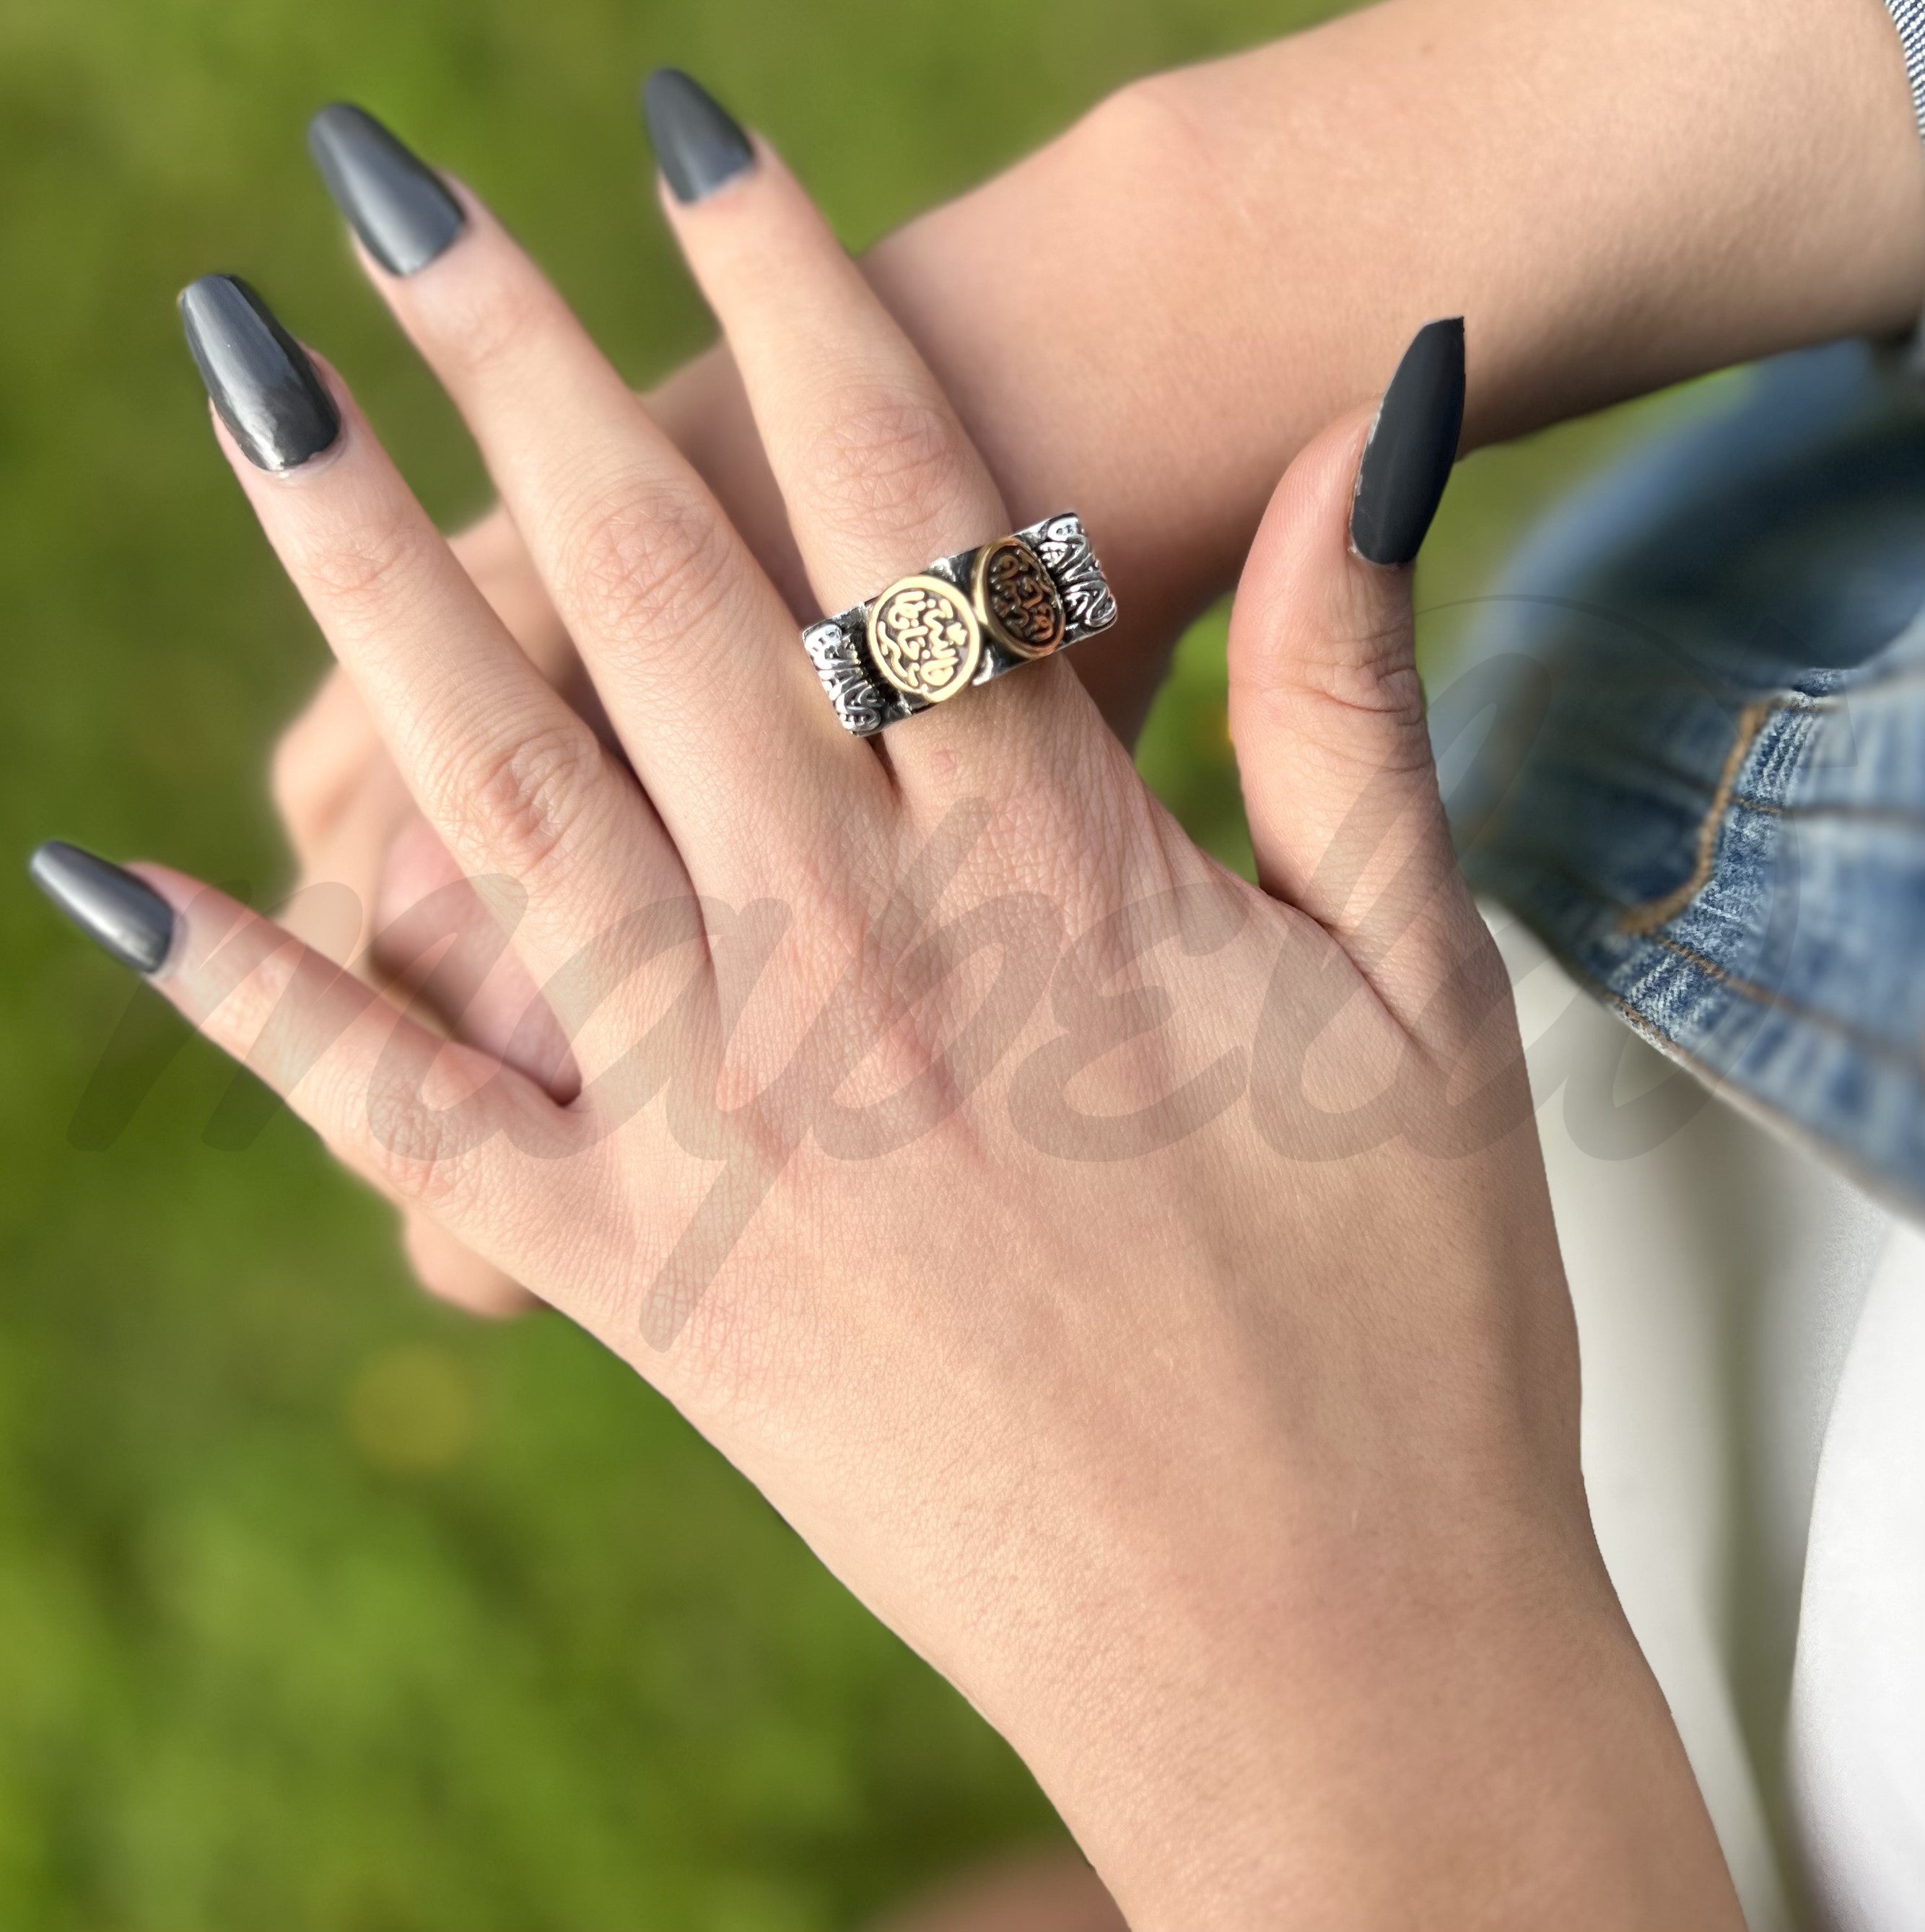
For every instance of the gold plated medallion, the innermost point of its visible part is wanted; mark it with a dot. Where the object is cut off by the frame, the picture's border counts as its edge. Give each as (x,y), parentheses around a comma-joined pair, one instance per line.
(1017,598)
(925,638)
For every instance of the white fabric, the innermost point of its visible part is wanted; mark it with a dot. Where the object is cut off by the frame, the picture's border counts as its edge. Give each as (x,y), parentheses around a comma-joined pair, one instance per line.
(1857,1733)
(1753,1330)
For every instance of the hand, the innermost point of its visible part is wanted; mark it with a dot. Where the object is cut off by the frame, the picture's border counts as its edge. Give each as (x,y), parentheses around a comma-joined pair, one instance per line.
(1140,1287)
(1678,194)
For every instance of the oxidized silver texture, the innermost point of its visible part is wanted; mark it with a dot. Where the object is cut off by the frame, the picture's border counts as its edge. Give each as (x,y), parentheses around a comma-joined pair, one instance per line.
(866,703)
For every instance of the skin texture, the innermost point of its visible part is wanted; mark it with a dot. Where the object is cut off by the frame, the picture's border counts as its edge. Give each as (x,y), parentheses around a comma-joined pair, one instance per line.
(1138,1286)
(1671,191)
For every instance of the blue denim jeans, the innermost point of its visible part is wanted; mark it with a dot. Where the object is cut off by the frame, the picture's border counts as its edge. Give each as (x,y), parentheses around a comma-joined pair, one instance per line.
(1698,710)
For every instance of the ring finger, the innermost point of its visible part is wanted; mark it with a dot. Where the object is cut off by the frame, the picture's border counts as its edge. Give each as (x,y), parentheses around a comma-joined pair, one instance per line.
(879,476)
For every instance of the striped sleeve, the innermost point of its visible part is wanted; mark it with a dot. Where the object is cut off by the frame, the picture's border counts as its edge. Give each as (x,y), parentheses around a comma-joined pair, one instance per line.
(1908,17)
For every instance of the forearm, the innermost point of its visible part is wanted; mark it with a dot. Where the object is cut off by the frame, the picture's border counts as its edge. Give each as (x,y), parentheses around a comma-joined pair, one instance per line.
(1419,1748)
(1147,318)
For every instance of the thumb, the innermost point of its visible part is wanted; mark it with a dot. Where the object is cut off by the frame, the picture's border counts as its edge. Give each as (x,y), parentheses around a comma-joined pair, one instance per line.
(1326,708)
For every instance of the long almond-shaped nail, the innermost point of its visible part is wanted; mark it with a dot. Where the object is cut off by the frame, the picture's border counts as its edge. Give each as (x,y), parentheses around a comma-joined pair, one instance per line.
(398,205)
(267,391)
(699,144)
(1413,446)
(122,913)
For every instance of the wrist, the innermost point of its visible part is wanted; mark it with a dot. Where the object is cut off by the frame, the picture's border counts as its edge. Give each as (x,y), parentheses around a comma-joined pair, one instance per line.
(1389,1736)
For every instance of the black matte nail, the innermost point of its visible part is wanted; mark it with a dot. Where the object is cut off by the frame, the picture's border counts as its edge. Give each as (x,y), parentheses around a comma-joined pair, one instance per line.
(1413,446)
(123,913)
(698,143)
(267,390)
(397,204)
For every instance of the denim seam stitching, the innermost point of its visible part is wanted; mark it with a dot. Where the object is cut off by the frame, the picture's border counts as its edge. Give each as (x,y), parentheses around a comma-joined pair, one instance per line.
(1642,921)
(1869,1044)
(1841,809)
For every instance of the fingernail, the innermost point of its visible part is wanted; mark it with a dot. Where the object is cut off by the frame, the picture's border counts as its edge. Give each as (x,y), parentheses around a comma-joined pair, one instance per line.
(123,913)
(396,203)
(1413,446)
(698,143)
(263,385)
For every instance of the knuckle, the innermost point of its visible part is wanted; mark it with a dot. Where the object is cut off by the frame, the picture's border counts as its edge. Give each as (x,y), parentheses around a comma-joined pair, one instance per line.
(405,1148)
(485,325)
(524,799)
(1349,712)
(1330,653)
(1371,673)
(355,573)
(890,461)
(654,562)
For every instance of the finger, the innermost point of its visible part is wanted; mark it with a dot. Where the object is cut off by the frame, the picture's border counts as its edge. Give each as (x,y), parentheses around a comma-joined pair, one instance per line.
(493,553)
(395,872)
(1326,709)
(440,1129)
(321,763)
(476,990)
(346,864)
(878,473)
(435,941)
(334,789)
(515,784)
(323,760)
(393,903)
(458,1276)
(879,476)
(692,650)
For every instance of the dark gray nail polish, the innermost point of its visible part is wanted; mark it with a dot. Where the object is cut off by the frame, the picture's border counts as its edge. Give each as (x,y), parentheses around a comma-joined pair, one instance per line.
(267,391)
(1413,446)
(124,915)
(699,144)
(396,204)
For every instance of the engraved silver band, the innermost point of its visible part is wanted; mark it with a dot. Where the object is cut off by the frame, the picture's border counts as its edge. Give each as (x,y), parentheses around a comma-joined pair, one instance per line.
(849,652)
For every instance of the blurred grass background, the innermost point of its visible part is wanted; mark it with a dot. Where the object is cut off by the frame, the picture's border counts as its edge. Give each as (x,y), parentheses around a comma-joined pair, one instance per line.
(321,1608)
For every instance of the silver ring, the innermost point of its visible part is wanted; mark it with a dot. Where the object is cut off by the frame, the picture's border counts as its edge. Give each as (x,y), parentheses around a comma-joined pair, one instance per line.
(960,623)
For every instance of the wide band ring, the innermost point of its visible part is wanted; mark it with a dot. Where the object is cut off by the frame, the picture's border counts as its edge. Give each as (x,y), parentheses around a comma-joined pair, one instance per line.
(962,621)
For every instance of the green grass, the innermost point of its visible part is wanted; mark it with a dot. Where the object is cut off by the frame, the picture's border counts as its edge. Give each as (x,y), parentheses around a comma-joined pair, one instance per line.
(320,1608)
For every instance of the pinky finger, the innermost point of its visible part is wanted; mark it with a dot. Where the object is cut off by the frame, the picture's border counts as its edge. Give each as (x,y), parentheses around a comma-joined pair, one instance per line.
(442,1130)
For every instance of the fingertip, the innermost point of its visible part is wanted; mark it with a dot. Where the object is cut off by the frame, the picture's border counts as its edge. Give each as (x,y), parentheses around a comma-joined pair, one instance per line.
(117,907)
(202,914)
(1303,558)
(253,473)
(261,381)
(700,148)
(400,210)
(1412,448)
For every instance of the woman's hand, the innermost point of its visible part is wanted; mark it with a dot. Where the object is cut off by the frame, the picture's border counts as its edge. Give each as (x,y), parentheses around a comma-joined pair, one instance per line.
(1670,191)
(1139,1287)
